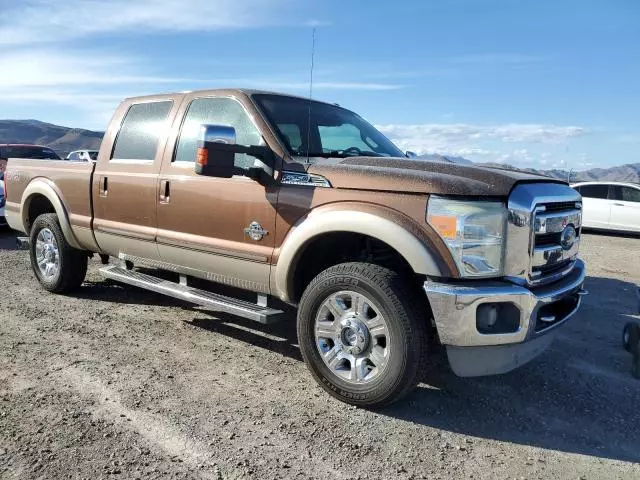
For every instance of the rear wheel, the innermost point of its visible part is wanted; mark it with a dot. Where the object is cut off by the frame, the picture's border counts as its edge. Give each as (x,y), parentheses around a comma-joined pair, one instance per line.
(58,266)
(362,333)
(626,335)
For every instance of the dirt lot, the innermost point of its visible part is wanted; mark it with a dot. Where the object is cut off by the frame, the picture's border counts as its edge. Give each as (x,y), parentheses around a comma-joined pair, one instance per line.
(116,382)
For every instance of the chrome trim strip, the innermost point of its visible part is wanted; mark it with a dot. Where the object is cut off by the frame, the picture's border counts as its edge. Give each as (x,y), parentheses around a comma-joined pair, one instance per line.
(555,222)
(549,255)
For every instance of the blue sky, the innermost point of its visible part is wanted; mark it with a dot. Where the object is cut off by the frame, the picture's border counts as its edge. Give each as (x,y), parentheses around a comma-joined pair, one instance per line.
(532,83)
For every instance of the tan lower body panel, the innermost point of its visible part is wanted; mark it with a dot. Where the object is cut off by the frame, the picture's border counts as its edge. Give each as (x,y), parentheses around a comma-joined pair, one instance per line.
(85,238)
(245,274)
(114,245)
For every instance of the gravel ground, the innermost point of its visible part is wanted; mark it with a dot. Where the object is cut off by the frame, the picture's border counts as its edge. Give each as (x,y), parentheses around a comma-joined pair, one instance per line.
(115,382)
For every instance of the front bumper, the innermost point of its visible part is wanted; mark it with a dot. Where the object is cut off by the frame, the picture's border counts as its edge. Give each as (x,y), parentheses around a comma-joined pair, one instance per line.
(472,353)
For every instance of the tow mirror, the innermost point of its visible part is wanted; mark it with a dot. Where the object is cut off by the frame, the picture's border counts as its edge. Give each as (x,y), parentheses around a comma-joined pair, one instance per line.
(216,153)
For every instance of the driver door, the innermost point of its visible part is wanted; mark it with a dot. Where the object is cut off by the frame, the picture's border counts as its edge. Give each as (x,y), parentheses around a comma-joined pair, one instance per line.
(202,221)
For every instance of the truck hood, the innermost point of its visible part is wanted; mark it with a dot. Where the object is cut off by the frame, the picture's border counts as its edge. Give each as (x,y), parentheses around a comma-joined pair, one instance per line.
(419,176)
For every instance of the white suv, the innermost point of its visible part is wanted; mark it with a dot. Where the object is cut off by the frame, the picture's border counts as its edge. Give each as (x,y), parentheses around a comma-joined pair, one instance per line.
(610,205)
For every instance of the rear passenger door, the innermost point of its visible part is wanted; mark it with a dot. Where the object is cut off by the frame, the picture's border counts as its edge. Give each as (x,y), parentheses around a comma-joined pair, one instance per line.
(625,208)
(596,210)
(125,181)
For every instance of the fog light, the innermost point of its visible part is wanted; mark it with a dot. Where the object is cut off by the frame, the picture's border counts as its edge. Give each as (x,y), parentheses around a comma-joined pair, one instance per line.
(492,318)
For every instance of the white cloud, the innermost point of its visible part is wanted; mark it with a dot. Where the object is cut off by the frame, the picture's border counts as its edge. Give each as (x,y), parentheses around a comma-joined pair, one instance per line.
(431,137)
(39,21)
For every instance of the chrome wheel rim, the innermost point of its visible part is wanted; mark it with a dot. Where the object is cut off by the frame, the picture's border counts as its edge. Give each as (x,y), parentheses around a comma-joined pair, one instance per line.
(47,255)
(352,337)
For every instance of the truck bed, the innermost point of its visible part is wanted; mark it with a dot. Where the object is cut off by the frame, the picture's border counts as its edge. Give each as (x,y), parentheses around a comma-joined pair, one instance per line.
(71,181)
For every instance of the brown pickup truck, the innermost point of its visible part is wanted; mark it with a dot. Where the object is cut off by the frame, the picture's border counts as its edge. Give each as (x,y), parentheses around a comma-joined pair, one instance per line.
(303,202)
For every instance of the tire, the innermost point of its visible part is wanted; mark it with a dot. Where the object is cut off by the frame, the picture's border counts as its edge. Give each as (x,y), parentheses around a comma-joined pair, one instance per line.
(64,267)
(392,354)
(626,335)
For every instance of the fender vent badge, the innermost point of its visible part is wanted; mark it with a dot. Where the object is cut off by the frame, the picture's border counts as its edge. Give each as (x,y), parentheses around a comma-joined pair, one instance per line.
(255,231)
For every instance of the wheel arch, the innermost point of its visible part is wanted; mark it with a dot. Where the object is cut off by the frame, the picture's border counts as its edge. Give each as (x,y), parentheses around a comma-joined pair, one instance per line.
(42,196)
(379,223)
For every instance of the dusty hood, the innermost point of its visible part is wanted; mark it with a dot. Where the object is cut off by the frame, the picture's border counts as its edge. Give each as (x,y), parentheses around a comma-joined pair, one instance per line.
(418,176)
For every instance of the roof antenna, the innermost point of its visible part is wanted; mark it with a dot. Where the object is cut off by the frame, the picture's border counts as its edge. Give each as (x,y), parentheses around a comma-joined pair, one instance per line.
(313,51)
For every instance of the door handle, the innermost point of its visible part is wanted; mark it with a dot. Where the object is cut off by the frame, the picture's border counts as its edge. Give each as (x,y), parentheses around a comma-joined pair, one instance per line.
(618,204)
(104,186)
(165,191)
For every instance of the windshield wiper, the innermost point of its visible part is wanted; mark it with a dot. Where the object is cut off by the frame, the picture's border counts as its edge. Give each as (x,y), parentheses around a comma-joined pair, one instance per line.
(323,154)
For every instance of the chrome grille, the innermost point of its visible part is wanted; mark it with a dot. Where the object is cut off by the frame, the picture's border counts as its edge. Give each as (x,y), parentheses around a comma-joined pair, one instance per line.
(540,245)
(550,257)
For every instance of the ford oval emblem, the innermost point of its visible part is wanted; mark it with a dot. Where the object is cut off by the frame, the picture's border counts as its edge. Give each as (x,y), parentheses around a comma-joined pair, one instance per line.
(568,237)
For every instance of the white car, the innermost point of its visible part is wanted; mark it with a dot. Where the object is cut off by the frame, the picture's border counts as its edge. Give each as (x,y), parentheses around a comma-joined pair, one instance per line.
(3,220)
(610,205)
(83,156)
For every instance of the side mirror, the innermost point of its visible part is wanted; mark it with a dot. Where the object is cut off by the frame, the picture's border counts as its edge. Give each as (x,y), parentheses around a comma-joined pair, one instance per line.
(216,154)
(411,155)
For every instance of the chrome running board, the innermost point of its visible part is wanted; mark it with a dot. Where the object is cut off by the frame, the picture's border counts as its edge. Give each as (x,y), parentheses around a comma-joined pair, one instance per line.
(214,301)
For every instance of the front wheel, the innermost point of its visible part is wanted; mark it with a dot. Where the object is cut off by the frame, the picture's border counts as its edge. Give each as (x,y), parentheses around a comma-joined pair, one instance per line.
(362,333)
(58,266)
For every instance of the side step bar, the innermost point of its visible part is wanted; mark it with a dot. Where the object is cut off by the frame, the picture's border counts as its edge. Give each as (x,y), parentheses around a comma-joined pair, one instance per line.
(214,301)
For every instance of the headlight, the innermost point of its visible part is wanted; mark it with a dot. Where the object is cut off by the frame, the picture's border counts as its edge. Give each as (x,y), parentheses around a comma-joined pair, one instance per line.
(474,232)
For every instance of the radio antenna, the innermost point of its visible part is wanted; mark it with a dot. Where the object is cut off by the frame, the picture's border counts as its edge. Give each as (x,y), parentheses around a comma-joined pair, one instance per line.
(313,51)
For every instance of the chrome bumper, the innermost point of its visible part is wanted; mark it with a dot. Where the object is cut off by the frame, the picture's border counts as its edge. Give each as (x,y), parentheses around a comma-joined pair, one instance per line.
(454,310)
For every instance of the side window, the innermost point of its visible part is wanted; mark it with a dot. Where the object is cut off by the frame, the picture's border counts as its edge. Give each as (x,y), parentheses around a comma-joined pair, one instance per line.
(594,191)
(141,130)
(216,111)
(630,194)
(73,156)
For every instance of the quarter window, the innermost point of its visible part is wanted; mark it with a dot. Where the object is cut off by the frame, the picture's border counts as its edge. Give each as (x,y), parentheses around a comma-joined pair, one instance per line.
(594,191)
(141,131)
(216,111)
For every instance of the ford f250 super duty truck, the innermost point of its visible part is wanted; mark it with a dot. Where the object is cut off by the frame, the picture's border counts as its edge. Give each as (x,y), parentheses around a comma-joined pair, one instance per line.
(304,202)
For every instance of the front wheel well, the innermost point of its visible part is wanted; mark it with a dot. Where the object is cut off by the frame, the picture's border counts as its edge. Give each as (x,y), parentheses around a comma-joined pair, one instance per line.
(37,205)
(334,248)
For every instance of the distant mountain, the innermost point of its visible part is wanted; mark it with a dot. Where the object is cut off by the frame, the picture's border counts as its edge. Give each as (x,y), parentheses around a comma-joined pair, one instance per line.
(61,139)
(621,173)
(435,157)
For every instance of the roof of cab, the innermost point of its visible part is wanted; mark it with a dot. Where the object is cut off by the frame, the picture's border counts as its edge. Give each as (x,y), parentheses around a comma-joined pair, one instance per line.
(229,91)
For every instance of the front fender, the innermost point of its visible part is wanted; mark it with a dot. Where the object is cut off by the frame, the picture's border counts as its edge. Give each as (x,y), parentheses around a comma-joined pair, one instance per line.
(46,188)
(381,223)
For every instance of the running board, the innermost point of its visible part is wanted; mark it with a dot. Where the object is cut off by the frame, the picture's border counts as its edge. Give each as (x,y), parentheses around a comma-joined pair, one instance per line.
(214,301)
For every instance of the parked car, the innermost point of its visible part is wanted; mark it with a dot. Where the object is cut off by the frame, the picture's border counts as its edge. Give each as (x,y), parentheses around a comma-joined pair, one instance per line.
(304,202)
(27,151)
(83,156)
(610,205)
(3,220)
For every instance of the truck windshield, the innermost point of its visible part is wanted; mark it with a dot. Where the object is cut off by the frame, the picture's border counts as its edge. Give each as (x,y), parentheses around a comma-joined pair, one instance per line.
(27,151)
(332,132)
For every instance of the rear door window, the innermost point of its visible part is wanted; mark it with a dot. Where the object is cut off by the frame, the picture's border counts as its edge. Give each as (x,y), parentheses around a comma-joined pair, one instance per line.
(143,127)
(594,191)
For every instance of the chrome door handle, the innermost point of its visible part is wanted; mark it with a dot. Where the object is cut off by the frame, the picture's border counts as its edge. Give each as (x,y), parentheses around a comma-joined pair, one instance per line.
(165,191)
(104,187)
